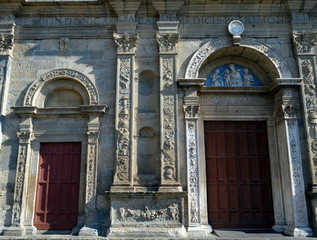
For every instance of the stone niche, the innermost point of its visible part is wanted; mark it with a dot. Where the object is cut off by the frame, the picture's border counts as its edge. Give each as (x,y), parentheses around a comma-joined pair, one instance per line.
(148,165)
(149,214)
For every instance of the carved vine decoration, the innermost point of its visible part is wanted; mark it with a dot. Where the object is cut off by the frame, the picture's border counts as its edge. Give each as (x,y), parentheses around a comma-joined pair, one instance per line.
(310,101)
(59,73)
(304,42)
(123,124)
(167,42)
(193,171)
(168,130)
(126,42)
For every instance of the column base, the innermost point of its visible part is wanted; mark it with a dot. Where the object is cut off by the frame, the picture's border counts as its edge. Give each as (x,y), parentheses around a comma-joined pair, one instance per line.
(88,231)
(13,231)
(146,232)
(298,232)
(278,228)
(199,231)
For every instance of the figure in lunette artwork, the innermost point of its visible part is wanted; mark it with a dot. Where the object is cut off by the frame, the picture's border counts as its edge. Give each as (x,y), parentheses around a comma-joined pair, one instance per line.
(235,76)
(216,79)
(248,78)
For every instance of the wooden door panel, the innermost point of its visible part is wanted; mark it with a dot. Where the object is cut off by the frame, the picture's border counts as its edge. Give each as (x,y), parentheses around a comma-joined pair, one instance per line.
(58,186)
(238,176)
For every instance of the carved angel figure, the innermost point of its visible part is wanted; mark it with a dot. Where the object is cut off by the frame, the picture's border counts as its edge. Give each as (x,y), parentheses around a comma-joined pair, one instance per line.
(216,80)
(248,78)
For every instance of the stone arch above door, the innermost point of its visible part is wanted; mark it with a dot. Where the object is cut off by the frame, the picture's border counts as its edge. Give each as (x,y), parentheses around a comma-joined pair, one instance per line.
(267,56)
(71,79)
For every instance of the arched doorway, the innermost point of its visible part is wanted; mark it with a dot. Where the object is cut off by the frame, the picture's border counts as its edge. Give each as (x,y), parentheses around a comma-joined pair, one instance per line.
(261,91)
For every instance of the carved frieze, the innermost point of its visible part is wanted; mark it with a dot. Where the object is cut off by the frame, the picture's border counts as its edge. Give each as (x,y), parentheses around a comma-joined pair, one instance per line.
(167,42)
(66,73)
(6,42)
(126,42)
(149,214)
(304,42)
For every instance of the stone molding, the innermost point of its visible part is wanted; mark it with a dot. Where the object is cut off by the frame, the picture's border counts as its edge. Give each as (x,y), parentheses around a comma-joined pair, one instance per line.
(304,42)
(36,86)
(126,42)
(201,55)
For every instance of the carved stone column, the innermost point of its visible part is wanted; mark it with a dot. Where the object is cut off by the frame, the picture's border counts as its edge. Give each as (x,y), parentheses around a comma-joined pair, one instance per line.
(195,223)
(90,228)
(286,108)
(304,44)
(167,41)
(6,45)
(25,136)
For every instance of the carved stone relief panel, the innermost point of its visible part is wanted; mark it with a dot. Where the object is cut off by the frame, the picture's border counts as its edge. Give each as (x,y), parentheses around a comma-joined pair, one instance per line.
(25,139)
(168,115)
(123,120)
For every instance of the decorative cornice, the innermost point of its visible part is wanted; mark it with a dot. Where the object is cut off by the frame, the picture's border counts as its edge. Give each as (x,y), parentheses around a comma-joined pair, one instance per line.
(167,42)
(126,42)
(304,42)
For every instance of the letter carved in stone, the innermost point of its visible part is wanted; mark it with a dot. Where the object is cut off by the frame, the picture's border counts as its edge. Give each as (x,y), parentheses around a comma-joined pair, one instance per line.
(167,42)
(304,42)
(25,139)
(126,42)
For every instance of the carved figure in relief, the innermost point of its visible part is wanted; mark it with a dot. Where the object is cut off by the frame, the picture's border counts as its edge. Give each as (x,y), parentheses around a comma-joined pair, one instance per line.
(168,78)
(169,173)
(310,89)
(235,76)
(174,211)
(248,78)
(312,115)
(227,78)
(216,79)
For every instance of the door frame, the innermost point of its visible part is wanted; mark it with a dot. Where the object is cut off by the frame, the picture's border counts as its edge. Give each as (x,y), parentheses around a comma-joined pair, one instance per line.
(277,196)
(269,159)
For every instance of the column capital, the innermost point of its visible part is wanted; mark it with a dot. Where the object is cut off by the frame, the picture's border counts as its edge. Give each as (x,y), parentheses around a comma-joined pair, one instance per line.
(93,136)
(304,42)
(25,137)
(126,42)
(191,111)
(167,42)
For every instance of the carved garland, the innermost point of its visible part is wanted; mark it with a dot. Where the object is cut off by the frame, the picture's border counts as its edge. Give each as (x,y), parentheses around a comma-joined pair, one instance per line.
(62,73)
(204,52)
(168,114)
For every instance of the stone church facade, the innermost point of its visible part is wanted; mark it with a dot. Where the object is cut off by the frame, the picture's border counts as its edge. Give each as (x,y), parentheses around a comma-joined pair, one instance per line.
(158,118)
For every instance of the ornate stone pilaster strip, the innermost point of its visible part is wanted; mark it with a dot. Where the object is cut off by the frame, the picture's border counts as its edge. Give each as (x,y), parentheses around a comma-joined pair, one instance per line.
(191,115)
(124,102)
(304,44)
(168,103)
(25,139)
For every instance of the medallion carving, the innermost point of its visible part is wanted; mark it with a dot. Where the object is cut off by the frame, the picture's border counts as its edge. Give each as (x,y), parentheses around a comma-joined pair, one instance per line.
(126,42)
(167,42)
(304,42)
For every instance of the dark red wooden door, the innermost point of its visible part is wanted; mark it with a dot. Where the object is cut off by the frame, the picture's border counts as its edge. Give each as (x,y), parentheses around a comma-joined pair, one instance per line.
(58,186)
(238,175)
